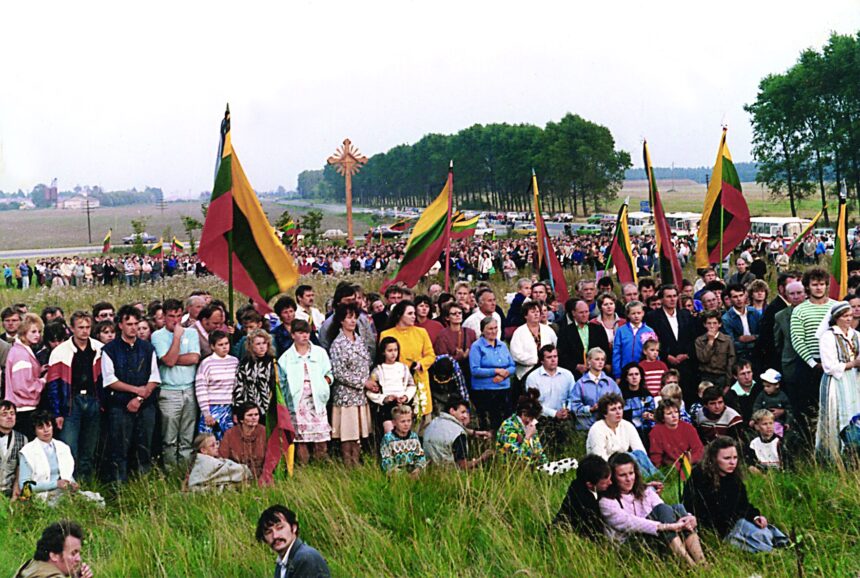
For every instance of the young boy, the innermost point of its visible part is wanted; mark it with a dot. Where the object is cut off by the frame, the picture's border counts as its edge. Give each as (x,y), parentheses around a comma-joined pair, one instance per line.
(774,399)
(400,448)
(715,419)
(250,320)
(652,368)
(765,451)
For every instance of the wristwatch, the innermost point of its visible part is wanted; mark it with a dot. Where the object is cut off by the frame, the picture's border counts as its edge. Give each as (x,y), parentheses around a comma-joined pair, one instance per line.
(140,399)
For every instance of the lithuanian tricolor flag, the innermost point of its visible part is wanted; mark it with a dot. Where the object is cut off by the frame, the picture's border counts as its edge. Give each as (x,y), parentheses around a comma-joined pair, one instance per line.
(177,247)
(428,240)
(279,427)
(157,250)
(839,261)
(621,251)
(463,228)
(670,266)
(262,268)
(106,244)
(806,231)
(726,218)
(547,259)
(401,225)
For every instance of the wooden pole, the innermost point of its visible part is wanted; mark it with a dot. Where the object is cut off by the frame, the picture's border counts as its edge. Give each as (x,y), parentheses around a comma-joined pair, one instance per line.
(448,227)
(349,239)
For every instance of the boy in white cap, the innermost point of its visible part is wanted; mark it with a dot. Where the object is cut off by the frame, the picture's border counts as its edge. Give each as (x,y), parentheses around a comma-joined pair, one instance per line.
(774,399)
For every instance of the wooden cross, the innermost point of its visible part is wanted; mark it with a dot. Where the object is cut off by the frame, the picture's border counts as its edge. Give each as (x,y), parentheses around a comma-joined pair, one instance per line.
(348,161)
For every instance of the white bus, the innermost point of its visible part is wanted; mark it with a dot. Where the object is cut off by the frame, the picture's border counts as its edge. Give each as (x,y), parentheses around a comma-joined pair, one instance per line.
(637,221)
(772,227)
(684,224)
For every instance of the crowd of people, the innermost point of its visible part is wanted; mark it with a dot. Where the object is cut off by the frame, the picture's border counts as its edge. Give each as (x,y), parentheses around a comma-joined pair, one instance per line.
(710,374)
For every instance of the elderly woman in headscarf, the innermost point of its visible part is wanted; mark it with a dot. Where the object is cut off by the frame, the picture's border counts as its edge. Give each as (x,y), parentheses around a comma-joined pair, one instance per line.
(839,397)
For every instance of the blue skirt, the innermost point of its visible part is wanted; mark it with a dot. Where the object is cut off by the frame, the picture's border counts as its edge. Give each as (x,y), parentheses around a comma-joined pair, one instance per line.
(749,537)
(223,414)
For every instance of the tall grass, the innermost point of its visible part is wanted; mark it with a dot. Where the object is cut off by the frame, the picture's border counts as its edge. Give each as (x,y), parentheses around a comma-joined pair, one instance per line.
(486,523)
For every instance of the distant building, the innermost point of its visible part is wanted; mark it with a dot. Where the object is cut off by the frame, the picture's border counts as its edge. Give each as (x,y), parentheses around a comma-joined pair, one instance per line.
(78,203)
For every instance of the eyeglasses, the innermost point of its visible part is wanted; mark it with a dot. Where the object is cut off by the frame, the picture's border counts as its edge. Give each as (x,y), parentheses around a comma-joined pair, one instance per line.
(455,313)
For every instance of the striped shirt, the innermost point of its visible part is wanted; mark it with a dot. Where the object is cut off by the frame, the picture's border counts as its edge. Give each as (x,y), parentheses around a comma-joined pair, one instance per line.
(652,372)
(805,320)
(216,378)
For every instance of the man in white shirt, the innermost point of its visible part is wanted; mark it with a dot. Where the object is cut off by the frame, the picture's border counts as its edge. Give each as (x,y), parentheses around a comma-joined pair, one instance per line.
(486,308)
(306,310)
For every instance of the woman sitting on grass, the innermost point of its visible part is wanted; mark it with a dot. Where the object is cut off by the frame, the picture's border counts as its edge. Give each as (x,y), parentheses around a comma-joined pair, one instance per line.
(209,471)
(671,437)
(517,436)
(614,434)
(246,444)
(717,495)
(632,509)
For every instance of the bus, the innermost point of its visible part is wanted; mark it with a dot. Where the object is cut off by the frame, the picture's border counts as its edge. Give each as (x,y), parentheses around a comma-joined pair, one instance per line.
(771,227)
(637,221)
(684,224)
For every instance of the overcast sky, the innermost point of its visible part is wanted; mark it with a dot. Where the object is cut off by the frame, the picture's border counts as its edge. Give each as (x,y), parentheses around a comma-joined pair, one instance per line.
(121,94)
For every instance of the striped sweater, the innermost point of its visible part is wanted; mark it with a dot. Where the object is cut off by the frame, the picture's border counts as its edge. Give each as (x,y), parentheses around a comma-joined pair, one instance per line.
(805,320)
(216,378)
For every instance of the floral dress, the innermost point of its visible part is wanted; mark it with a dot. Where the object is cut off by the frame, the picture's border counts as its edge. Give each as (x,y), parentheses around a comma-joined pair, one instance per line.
(350,367)
(311,426)
(511,441)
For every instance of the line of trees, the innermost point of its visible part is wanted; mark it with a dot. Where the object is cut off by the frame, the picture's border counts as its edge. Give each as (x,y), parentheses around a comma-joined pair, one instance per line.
(806,124)
(579,169)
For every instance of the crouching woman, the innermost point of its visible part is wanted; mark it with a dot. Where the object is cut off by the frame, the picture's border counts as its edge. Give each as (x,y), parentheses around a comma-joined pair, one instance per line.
(630,508)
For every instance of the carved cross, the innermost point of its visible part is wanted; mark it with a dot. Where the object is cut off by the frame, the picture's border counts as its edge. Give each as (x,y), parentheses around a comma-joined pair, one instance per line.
(347,161)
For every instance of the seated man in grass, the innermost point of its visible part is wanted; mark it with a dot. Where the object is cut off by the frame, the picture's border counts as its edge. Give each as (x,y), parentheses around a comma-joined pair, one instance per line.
(278,527)
(446,439)
(58,553)
(580,509)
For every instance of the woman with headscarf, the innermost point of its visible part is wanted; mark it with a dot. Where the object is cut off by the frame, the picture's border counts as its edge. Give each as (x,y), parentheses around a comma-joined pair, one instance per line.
(839,395)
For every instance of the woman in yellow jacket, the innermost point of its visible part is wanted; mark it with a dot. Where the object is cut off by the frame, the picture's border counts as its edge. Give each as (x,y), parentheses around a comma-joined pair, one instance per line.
(416,351)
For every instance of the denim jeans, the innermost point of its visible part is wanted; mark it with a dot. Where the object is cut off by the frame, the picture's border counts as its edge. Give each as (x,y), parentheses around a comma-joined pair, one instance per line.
(178,421)
(81,433)
(130,431)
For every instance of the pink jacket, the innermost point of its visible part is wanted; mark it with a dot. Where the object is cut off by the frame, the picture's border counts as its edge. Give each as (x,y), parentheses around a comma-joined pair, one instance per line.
(627,515)
(23,382)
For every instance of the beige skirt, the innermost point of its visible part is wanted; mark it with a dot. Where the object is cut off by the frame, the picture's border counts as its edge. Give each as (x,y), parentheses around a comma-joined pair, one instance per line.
(350,423)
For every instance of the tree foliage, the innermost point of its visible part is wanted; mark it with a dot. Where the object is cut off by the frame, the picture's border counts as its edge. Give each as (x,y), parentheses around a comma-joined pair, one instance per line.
(310,225)
(138,227)
(575,159)
(190,224)
(806,124)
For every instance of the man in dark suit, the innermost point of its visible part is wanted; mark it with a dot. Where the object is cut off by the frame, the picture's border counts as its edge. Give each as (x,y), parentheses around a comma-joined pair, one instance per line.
(677,331)
(580,510)
(578,338)
(765,347)
(278,527)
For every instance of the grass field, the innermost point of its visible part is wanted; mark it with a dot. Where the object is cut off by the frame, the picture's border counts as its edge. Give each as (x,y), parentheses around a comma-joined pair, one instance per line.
(487,523)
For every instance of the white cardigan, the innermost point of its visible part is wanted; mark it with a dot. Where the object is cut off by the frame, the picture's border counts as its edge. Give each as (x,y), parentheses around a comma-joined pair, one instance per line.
(34,453)
(603,442)
(523,348)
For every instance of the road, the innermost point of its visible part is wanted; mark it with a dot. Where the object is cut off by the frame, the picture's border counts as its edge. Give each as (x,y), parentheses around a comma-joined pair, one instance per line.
(62,251)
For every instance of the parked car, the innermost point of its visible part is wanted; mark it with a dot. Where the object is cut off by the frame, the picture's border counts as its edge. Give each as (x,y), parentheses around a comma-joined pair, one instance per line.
(586,229)
(144,237)
(525,229)
(333,234)
(385,232)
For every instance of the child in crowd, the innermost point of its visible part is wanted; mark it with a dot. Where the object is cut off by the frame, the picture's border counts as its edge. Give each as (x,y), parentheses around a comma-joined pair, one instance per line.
(765,451)
(400,448)
(105,331)
(216,379)
(672,392)
(773,398)
(652,367)
(396,386)
(250,320)
(672,437)
(716,419)
(700,391)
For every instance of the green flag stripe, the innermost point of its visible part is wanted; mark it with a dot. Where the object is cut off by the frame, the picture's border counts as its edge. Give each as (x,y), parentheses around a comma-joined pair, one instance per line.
(423,242)
(246,249)
(730,174)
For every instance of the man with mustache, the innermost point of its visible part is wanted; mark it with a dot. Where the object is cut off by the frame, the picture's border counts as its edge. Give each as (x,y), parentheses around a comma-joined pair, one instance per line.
(278,527)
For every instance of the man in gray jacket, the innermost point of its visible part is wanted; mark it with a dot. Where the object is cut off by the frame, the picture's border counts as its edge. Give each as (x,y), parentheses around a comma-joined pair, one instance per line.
(446,439)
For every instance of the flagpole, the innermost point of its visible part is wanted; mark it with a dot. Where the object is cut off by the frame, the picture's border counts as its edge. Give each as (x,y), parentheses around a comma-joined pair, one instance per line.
(230,276)
(722,226)
(448,226)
